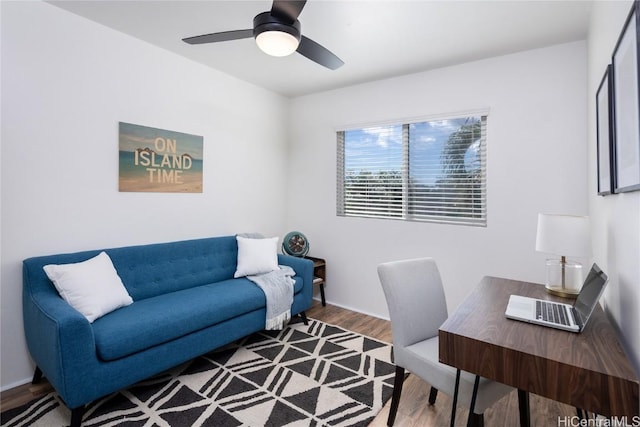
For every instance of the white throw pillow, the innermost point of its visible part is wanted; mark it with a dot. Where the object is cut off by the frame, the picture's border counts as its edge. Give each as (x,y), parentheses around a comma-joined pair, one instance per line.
(256,256)
(92,287)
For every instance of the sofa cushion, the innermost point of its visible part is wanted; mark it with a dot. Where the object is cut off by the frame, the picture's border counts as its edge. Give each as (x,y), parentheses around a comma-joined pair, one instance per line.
(154,321)
(256,256)
(92,287)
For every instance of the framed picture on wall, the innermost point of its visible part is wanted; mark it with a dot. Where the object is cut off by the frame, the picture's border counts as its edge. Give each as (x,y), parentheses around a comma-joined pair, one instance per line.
(626,103)
(159,160)
(604,123)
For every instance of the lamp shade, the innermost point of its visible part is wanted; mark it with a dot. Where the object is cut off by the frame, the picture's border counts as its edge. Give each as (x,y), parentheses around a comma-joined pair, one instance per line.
(564,235)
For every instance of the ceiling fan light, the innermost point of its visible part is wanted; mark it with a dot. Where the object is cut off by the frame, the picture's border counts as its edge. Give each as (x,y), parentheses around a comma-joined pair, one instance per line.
(277,43)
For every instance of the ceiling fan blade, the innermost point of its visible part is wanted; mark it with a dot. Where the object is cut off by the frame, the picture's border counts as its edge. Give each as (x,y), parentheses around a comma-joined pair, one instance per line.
(288,10)
(219,37)
(318,53)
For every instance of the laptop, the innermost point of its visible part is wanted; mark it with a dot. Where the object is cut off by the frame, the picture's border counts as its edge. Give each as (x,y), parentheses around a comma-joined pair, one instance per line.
(567,317)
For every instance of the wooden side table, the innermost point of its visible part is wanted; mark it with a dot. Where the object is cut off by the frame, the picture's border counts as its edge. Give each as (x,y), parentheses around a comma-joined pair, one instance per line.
(319,275)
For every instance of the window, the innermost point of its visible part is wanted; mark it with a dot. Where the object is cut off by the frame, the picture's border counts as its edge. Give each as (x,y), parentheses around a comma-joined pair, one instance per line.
(421,171)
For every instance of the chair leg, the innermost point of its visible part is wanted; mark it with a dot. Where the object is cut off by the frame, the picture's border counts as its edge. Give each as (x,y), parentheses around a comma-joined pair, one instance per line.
(455,398)
(582,414)
(474,395)
(476,420)
(433,394)
(397,391)
(76,416)
(37,376)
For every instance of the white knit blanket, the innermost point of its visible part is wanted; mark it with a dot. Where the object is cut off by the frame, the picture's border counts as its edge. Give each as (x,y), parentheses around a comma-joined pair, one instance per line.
(277,286)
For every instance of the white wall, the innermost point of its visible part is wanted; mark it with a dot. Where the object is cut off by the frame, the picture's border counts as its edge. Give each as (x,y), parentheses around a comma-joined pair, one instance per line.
(615,218)
(537,162)
(66,83)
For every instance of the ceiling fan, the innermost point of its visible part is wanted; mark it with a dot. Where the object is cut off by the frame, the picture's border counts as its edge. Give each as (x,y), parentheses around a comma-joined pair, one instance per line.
(277,33)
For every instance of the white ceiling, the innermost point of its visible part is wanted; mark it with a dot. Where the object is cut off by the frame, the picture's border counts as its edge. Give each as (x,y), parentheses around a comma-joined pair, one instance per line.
(375,39)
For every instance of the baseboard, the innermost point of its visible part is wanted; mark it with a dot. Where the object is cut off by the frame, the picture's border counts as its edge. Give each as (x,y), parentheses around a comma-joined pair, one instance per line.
(357,310)
(14,385)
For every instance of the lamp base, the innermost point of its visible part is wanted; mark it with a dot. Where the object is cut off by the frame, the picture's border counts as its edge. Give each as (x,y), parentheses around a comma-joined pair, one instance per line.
(559,291)
(564,279)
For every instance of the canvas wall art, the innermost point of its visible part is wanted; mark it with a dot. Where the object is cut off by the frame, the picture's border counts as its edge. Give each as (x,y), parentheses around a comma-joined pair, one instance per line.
(604,123)
(159,160)
(626,110)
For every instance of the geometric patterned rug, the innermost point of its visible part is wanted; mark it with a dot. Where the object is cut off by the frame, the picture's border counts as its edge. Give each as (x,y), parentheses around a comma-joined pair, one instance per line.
(315,375)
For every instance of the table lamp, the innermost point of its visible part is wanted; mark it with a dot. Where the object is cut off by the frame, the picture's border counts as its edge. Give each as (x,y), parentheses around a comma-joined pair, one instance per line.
(565,236)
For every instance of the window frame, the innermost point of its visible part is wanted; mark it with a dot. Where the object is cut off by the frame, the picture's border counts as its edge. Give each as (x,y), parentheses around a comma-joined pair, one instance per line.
(474,217)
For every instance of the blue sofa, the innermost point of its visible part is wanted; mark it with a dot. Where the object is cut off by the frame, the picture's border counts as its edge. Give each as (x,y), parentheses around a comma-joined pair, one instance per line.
(186,303)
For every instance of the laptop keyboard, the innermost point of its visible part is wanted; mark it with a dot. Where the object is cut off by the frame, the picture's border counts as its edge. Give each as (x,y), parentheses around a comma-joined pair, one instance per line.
(551,312)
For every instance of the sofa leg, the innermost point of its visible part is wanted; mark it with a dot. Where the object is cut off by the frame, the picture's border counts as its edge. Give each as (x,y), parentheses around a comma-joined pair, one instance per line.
(303,315)
(300,317)
(76,416)
(37,376)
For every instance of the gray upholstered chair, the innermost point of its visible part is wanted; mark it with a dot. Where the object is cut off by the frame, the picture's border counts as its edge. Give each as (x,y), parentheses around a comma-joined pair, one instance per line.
(417,307)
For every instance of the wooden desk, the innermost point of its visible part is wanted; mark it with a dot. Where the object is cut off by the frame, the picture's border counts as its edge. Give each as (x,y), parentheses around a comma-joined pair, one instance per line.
(588,370)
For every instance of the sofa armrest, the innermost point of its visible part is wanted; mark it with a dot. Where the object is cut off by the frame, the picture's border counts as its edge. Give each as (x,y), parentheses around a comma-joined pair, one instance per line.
(303,268)
(60,339)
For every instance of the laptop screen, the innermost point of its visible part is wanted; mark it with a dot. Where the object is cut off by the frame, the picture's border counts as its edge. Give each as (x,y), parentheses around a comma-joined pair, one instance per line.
(590,294)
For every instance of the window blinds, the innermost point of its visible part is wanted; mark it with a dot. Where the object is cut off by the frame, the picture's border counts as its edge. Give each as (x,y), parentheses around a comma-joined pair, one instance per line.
(423,171)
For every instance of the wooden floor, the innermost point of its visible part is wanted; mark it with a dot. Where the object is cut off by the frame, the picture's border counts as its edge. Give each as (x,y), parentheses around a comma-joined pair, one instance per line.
(414,409)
